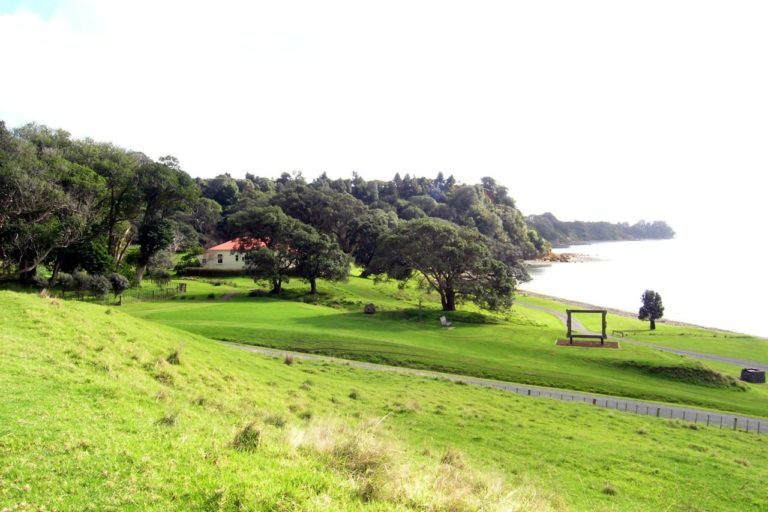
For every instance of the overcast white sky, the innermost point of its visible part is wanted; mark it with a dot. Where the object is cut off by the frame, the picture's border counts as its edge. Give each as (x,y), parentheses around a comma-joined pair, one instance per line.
(608,110)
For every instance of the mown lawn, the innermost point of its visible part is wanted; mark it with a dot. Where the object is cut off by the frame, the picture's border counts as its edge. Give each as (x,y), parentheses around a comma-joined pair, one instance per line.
(518,347)
(710,341)
(95,417)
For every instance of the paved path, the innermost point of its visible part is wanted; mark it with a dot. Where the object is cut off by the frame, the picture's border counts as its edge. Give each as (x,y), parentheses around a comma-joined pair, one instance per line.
(578,326)
(699,416)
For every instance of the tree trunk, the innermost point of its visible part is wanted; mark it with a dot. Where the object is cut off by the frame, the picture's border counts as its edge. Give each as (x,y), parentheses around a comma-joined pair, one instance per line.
(140,269)
(313,286)
(448,300)
(26,276)
(55,273)
(653,324)
(277,286)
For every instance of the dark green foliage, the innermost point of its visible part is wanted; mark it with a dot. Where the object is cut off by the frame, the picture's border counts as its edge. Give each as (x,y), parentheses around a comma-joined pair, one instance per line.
(81,282)
(160,277)
(272,227)
(291,248)
(99,286)
(191,258)
(66,282)
(223,189)
(47,202)
(455,262)
(154,236)
(325,209)
(79,205)
(652,308)
(119,283)
(318,256)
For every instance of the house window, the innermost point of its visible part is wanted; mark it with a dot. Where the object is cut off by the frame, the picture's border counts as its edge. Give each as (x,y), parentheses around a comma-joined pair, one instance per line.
(220,258)
(237,257)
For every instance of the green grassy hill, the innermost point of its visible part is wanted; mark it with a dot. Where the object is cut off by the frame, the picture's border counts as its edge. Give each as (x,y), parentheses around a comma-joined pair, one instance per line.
(103,411)
(518,347)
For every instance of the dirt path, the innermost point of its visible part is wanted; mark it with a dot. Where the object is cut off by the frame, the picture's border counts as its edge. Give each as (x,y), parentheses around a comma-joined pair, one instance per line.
(698,416)
(578,326)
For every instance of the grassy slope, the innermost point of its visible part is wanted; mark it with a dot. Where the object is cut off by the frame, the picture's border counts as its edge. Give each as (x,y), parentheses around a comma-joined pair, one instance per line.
(86,389)
(519,348)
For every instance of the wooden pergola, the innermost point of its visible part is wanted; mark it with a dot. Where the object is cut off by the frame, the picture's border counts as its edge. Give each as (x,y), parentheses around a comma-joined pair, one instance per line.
(571,334)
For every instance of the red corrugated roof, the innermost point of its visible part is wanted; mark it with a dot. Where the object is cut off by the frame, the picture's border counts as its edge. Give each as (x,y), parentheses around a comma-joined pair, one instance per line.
(237,243)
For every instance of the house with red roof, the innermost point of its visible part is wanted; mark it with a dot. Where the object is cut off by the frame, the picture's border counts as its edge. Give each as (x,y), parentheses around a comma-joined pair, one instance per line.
(229,255)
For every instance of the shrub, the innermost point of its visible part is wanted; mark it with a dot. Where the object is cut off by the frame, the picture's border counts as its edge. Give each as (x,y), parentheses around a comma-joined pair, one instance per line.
(119,283)
(99,286)
(247,439)
(81,282)
(160,277)
(354,395)
(288,359)
(65,281)
(211,296)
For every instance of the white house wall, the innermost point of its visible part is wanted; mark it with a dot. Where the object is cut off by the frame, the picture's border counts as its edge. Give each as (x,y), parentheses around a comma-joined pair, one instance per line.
(223,260)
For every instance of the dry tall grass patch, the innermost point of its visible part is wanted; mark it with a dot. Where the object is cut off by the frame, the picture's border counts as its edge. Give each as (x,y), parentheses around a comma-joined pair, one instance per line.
(383,471)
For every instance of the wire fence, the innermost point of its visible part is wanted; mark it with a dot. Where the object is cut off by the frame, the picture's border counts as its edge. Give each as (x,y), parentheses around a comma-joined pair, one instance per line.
(130,295)
(697,417)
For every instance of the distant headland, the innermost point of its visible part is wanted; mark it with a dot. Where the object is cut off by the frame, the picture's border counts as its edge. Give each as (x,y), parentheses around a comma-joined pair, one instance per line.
(562,233)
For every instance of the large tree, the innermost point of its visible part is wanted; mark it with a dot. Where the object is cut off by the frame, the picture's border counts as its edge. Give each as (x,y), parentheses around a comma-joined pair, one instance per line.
(318,256)
(48,202)
(290,247)
(272,228)
(165,190)
(454,261)
(652,308)
(323,208)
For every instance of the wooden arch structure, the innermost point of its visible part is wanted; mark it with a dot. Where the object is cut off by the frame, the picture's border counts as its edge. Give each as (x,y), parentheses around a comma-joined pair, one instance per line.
(571,334)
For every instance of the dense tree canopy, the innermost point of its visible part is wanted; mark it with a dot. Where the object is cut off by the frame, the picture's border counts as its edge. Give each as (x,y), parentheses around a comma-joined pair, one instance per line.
(76,205)
(454,261)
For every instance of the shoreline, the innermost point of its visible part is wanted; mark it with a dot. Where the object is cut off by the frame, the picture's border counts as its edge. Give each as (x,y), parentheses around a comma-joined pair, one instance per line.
(630,314)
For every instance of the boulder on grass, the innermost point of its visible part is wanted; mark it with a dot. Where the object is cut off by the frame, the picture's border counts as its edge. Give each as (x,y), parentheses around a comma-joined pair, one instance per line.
(369,309)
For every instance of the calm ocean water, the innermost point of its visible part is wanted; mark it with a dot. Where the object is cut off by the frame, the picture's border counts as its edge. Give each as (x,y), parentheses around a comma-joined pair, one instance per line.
(700,282)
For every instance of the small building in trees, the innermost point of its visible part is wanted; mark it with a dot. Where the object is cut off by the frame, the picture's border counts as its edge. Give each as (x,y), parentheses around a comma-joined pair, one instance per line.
(227,255)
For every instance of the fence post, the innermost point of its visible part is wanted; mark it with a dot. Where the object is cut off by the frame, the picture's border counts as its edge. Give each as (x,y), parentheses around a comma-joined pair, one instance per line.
(529,392)
(735,420)
(696,419)
(658,411)
(707,419)
(721,422)
(594,401)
